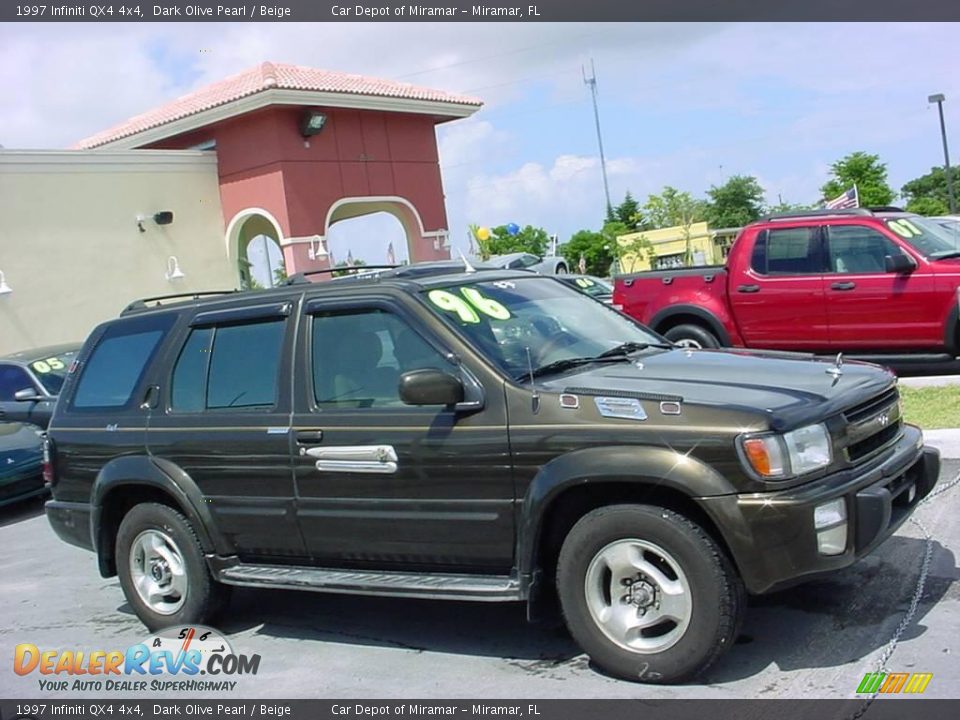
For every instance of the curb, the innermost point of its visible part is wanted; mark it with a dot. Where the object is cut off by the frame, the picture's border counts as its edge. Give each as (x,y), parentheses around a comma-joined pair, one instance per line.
(946,440)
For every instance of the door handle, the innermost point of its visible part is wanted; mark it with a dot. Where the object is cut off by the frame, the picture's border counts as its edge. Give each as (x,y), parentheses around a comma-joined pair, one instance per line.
(748,288)
(843,286)
(380,459)
(306,437)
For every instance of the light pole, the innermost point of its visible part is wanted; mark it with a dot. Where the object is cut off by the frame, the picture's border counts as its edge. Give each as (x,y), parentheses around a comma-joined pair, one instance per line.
(938,99)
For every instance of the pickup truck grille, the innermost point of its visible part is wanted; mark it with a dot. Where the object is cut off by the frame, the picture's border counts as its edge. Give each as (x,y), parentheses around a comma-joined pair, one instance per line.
(873,426)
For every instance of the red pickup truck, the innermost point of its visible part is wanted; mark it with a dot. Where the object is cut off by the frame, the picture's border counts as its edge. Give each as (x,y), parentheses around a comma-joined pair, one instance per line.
(879,284)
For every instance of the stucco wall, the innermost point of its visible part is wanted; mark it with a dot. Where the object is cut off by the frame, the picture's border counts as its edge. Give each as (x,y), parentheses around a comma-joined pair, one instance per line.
(70,247)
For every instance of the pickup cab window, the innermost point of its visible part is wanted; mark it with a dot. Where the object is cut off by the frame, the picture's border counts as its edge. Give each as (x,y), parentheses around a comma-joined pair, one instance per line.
(787,251)
(858,249)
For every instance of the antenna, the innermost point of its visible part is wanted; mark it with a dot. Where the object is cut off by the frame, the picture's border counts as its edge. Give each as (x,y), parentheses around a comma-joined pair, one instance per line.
(467,267)
(591,82)
(535,397)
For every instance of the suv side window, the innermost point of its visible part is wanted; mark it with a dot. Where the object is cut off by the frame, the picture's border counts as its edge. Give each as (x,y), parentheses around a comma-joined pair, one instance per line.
(12,379)
(787,251)
(359,355)
(118,362)
(230,366)
(859,249)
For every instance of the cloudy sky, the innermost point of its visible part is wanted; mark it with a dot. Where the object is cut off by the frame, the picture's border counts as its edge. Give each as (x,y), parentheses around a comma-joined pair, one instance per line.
(681,104)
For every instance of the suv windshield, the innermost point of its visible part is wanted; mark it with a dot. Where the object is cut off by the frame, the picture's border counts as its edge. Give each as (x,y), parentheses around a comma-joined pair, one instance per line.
(930,238)
(560,326)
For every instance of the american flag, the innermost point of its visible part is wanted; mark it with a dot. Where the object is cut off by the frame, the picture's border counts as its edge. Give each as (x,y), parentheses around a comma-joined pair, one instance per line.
(391,256)
(849,199)
(349,258)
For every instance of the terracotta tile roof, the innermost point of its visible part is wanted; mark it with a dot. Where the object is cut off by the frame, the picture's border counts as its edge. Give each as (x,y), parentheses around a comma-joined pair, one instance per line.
(268,76)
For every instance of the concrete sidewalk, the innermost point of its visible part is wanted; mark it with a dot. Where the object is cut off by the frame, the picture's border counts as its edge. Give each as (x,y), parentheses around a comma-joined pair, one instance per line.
(946,440)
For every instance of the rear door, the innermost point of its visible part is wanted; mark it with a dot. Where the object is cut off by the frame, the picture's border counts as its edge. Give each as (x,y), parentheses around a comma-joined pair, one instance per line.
(223,418)
(777,296)
(382,484)
(869,308)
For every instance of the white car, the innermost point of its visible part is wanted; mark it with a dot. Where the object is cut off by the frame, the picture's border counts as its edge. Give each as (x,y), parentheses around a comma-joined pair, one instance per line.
(529,261)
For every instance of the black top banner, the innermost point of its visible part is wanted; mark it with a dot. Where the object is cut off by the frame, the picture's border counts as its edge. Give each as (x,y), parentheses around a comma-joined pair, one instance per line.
(489,11)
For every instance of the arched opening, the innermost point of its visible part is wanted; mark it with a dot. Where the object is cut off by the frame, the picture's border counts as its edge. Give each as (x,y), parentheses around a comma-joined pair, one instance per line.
(377,238)
(254,240)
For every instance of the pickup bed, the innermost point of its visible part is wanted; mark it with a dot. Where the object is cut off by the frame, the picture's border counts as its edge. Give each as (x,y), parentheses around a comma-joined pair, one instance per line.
(876,284)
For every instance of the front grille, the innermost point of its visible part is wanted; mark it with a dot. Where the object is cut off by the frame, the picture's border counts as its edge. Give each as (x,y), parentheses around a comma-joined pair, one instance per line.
(873,425)
(872,444)
(864,410)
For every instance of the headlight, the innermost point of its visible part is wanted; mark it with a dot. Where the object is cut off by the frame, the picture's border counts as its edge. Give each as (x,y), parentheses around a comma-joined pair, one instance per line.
(775,457)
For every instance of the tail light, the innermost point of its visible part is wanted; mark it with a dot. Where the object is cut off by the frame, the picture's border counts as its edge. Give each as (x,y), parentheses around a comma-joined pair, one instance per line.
(47,461)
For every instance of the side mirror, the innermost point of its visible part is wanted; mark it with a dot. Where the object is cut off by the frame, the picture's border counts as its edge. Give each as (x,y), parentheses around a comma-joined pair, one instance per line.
(430,387)
(27,395)
(899,263)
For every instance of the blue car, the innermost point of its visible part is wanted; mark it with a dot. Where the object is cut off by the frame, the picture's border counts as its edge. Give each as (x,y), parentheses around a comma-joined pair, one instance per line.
(21,463)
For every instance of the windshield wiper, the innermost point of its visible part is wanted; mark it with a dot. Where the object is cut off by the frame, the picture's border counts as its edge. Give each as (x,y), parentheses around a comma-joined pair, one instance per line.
(948,254)
(624,349)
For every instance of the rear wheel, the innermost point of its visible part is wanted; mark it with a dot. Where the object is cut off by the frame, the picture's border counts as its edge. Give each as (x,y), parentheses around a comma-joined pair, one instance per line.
(692,336)
(162,569)
(561,269)
(647,593)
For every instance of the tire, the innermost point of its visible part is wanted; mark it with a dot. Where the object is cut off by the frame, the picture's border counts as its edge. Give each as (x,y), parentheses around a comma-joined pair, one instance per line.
(158,550)
(561,269)
(707,596)
(692,336)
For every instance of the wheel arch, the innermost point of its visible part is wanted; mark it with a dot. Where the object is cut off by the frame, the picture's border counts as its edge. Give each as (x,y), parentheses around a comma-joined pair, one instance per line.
(675,315)
(569,487)
(131,480)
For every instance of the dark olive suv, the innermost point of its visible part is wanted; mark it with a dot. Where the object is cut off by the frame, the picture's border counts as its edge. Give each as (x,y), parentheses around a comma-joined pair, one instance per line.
(437,432)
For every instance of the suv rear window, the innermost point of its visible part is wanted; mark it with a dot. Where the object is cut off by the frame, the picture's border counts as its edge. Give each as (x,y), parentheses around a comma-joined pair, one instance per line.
(117,363)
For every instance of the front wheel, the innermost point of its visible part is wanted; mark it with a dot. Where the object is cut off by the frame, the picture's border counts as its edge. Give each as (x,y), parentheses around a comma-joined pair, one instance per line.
(162,569)
(692,336)
(647,593)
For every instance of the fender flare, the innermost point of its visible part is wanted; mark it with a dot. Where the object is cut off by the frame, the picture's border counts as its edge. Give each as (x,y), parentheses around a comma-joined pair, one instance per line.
(712,321)
(650,466)
(158,474)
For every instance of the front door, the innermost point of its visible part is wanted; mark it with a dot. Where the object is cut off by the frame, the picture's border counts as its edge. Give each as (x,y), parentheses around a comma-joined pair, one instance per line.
(224,419)
(381,483)
(871,309)
(778,301)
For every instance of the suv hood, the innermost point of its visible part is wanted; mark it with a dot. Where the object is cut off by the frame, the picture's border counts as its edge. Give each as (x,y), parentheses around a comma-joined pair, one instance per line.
(787,389)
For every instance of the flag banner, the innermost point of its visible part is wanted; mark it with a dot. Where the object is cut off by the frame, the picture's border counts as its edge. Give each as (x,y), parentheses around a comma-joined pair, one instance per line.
(849,199)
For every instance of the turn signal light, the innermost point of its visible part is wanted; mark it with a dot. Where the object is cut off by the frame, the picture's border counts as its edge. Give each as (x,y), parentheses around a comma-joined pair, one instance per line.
(764,456)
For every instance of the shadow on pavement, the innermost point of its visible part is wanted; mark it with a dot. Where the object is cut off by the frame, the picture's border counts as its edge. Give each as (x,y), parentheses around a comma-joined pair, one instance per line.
(23,510)
(824,623)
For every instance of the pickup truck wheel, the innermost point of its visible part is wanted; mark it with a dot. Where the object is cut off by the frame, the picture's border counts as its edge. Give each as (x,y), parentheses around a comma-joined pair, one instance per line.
(692,336)
(647,593)
(162,569)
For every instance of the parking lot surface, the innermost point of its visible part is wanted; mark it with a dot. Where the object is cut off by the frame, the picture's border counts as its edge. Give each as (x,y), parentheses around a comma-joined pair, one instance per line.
(817,640)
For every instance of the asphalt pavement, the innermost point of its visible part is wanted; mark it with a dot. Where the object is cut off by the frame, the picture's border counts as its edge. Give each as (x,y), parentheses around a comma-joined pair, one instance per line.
(816,640)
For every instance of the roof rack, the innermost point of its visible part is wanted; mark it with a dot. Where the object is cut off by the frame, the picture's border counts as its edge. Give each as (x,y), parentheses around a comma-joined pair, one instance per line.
(818,212)
(143,303)
(300,278)
(886,209)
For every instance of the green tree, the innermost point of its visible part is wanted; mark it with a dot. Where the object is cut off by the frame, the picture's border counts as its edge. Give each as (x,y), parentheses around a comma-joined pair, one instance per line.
(927,194)
(866,172)
(785,207)
(672,207)
(628,213)
(530,240)
(735,203)
(599,249)
(675,208)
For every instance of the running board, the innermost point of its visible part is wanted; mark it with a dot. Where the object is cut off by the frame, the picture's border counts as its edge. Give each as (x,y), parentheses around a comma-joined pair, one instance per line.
(363,582)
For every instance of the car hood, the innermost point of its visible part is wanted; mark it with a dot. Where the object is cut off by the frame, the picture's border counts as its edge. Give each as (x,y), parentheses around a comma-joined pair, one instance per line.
(19,445)
(786,389)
